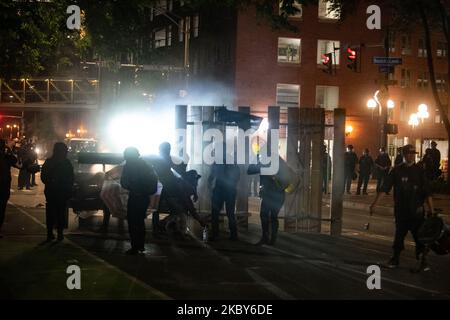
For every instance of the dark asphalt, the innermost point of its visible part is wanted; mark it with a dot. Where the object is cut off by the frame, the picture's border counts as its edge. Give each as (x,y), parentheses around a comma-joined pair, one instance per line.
(301,266)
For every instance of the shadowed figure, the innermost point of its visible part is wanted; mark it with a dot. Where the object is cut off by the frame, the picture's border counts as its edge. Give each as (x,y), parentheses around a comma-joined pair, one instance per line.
(58,177)
(7,160)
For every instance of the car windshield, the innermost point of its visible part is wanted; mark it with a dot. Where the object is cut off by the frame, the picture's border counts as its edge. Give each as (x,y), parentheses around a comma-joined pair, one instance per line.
(76,146)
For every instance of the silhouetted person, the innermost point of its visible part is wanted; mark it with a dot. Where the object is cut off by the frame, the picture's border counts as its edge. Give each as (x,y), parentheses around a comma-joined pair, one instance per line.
(7,160)
(58,177)
(436,156)
(399,158)
(411,192)
(382,164)
(365,169)
(167,170)
(350,161)
(140,180)
(428,164)
(326,167)
(272,195)
(34,160)
(26,160)
(224,179)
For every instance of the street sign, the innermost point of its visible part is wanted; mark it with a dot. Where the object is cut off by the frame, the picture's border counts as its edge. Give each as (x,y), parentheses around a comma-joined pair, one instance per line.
(387,61)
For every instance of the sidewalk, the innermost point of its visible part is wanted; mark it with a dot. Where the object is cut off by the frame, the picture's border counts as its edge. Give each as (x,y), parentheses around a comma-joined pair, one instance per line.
(385,204)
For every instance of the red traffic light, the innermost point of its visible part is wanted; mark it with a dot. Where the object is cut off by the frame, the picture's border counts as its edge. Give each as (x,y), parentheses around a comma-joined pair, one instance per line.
(351,54)
(326,58)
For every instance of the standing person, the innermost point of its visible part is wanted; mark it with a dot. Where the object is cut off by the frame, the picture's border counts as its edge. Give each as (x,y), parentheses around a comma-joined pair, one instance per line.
(34,160)
(141,182)
(326,169)
(365,169)
(25,158)
(272,195)
(428,164)
(7,160)
(382,164)
(399,158)
(350,161)
(58,177)
(223,181)
(436,156)
(411,192)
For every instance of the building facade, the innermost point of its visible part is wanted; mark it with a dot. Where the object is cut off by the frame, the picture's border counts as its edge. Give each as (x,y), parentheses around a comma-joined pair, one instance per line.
(238,59)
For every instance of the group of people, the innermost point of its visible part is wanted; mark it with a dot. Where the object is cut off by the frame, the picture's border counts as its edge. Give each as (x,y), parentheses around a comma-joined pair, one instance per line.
(381,166)
(409,180)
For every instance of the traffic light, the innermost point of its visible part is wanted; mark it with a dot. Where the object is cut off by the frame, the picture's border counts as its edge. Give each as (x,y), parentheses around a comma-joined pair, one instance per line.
(327,61)
(352,58)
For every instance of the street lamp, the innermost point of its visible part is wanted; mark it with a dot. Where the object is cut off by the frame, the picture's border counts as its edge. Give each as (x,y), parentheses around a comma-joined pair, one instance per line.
(380,99)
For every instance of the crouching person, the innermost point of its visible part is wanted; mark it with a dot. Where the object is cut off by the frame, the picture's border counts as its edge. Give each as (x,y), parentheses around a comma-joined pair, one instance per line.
(57,175)
(141,182)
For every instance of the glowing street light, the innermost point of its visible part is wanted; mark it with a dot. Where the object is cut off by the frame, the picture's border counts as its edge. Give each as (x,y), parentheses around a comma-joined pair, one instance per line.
(348,130)
(371,104)
(423,112)
(413,120)
(390,104)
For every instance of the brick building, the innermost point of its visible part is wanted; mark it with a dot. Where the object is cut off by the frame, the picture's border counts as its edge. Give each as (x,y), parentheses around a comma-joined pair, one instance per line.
(237,59)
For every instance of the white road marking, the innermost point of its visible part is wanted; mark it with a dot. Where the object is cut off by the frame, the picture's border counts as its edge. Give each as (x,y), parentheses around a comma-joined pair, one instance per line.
(134,280)
(269,285)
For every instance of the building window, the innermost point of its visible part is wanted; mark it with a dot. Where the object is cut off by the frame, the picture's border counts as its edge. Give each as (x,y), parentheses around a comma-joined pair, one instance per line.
(403,111)
(437,116)
(181,30)
(289,50)
(390,114)
(328,46)
(288,95)
(422,52)
(297,14)
(160,38)
(327,97)
(406,44)
(169,36)
(422,80)
(441,81)
(325,11)
(405,81)
(391,41)
(441,49)
(195,26)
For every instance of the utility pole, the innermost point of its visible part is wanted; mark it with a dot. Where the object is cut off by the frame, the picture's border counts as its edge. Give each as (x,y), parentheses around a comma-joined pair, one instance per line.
(384,94)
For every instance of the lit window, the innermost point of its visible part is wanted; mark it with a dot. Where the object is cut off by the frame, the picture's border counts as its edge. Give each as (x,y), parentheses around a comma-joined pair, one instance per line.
(325,11)
(289,50)
(288,95)
(406,44)
(441,49)
(160,38)
(295,5)
(422,52)
(441,82)
(327,97)
(328,46)
(437,116)
(422,80)
(392,41)
(160,7)
(406,78)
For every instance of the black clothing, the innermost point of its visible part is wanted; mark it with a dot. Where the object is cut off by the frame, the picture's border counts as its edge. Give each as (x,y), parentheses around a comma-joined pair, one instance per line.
(272,195)
(7,160)
(226,178)
(141,182)
(383,164)
(398,160)
(58,177)
(350,161)
(411,188)
(365,169)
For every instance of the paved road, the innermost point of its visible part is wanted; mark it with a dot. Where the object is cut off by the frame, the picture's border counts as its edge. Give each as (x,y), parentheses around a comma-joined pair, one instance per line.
(301,266)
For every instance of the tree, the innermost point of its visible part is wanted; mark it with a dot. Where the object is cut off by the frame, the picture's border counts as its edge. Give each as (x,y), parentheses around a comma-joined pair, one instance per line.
(34,38)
